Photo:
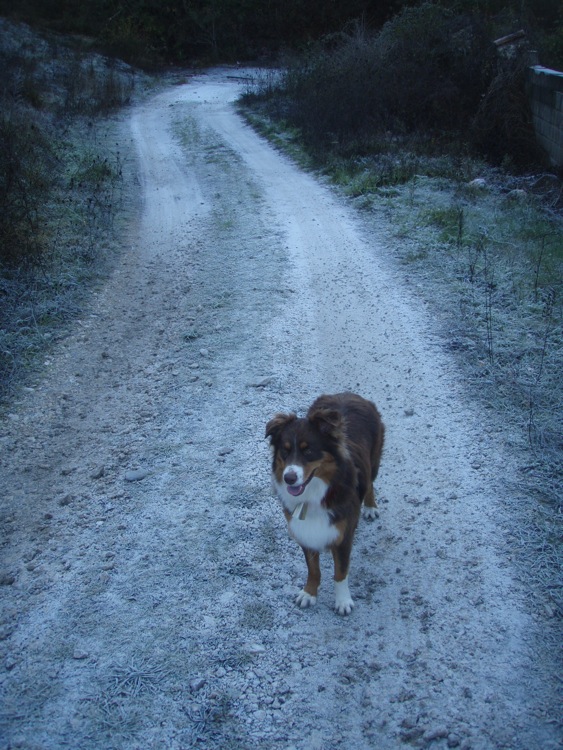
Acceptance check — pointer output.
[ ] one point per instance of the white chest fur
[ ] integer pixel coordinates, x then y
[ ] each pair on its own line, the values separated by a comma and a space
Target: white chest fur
315, 531
310, 524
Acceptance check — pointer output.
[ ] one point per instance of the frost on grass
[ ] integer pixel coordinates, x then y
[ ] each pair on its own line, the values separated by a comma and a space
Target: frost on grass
490, 268
135, 678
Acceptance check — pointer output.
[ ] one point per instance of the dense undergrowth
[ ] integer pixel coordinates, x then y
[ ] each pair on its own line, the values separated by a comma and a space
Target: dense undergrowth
428, 71
152, 33
60, 187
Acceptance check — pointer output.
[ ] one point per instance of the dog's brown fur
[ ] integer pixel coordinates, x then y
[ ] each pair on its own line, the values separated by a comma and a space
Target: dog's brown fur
335, 453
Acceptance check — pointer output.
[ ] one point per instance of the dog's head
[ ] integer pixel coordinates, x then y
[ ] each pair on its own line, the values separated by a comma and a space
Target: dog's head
305, 450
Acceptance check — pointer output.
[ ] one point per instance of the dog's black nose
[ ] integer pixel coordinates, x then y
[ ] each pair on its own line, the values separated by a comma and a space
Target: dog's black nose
290, 477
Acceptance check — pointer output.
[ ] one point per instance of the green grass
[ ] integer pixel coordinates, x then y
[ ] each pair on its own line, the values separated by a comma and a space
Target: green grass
280, 134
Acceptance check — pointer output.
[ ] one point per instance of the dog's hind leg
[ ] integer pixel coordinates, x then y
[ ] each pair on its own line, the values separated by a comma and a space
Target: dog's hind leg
370, 510
308, 595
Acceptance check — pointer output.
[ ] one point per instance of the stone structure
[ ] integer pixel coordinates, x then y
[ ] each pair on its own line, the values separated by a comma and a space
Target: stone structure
546, 94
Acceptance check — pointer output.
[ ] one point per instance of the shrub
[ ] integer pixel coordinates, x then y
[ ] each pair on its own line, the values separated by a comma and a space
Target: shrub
502, 127
429, 71
60, 187
436, 65
426, 69
44, 82
93, 85
27, 168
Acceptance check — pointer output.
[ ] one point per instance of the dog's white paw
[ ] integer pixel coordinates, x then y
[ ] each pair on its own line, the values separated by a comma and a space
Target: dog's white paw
344, 607
305, 600
343, 603
370, 513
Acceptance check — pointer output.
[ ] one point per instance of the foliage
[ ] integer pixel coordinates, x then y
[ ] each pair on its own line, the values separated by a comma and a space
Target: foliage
27, 176
436, 65
502, 126
428, 71
148, 31
45, 87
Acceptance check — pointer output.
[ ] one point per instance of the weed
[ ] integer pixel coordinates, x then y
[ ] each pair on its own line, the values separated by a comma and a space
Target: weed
134, 678
450, 222
188, 130
207, 719
94, 86
257, 616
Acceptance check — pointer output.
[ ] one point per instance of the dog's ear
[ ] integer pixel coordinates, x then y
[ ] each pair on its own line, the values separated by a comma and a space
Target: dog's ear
328, 422
276, 425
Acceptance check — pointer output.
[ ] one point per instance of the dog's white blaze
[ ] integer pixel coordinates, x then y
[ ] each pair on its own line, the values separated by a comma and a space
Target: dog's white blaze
343, 602
298, 470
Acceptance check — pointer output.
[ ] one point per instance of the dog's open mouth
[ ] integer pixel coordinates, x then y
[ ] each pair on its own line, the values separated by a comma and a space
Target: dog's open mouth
298, 489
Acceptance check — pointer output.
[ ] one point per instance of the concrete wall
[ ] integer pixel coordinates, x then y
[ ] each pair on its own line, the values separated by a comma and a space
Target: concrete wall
546, 92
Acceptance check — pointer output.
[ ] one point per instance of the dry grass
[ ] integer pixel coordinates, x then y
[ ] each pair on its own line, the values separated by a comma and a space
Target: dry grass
60, 188
136, 677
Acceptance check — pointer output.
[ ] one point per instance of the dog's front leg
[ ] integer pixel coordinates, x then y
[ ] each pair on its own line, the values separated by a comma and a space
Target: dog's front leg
343, 602
308, 595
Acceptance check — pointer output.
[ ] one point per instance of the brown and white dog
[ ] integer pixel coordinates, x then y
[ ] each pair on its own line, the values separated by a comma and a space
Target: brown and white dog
323, 468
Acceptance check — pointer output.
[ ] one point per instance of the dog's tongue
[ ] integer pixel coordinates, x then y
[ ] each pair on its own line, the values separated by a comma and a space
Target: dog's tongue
296, 489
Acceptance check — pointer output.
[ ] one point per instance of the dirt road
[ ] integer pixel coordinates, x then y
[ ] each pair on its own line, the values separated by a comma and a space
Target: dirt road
148, 580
